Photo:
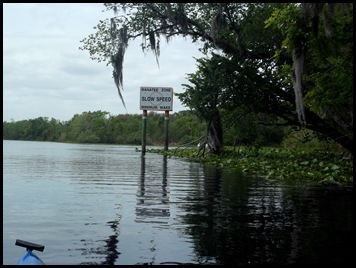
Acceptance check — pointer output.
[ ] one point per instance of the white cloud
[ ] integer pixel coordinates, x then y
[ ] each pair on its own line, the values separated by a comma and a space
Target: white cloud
45, 74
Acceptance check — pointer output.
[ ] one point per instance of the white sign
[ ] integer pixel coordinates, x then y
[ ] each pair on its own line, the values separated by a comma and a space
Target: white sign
156, 98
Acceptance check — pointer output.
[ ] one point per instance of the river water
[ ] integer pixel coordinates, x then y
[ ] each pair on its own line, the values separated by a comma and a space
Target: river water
106, 204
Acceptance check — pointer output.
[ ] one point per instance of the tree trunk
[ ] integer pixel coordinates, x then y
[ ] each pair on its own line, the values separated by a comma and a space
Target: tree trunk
214, 136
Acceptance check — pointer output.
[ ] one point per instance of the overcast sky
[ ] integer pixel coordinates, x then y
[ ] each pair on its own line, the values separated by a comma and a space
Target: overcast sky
46, 75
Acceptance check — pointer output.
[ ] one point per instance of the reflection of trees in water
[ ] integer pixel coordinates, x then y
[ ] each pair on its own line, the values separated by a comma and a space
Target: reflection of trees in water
152, 196
235, 219
322, 226
109, 249
224, 224
112, 243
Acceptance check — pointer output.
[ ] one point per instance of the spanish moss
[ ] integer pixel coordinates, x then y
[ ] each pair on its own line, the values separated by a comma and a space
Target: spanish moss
117, 61
298, 67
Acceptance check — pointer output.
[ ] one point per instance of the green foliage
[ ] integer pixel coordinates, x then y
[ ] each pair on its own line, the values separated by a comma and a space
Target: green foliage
284, 20
324, 33
312, 165
89, 127
101, 127
245, 128
332, 76
185, 127
39, 129
305, 139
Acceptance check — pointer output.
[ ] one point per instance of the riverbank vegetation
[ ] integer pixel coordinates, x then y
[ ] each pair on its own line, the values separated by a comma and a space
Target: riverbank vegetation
300, 155
317, 166
102, 127
275, 152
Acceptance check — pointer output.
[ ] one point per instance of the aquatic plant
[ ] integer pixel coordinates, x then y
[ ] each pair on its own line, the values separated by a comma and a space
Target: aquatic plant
316, 166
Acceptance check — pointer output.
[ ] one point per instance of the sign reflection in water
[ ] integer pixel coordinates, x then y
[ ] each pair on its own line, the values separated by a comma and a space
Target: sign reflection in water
152, 197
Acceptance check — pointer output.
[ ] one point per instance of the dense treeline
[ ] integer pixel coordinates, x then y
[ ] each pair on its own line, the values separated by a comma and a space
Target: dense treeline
102, 127
184, 129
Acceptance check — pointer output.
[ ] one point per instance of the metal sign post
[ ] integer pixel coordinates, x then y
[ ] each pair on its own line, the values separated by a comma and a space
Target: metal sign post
166, 120
144, 127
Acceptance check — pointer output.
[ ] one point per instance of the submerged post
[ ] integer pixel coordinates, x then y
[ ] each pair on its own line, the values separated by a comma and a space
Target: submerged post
144, 126
166, 120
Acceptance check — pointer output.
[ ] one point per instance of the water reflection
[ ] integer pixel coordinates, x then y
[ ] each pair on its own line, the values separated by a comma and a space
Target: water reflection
153, 196
111, 246
246, 220
109, 250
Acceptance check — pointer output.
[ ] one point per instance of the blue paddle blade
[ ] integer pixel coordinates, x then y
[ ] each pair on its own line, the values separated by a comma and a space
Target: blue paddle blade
29, 259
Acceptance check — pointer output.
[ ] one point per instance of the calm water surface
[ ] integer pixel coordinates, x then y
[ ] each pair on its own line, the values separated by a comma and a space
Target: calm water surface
106, 204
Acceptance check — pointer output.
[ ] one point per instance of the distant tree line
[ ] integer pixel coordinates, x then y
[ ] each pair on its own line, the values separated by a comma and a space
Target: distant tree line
102, 127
